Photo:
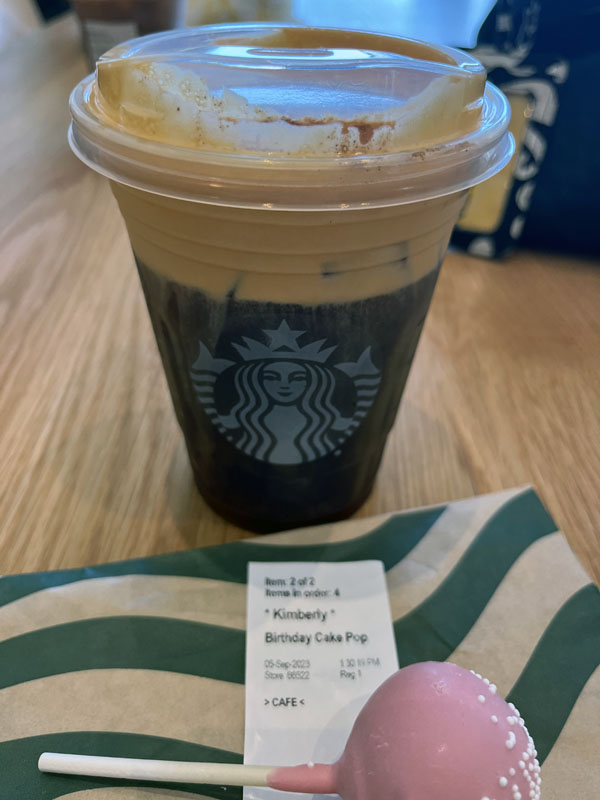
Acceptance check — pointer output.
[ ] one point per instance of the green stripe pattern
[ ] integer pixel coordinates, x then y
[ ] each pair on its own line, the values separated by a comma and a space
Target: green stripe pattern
556, 671
174, 645
559, 667
435, 628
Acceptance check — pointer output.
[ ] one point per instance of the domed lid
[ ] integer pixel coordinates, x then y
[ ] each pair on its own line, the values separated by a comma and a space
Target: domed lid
291, 116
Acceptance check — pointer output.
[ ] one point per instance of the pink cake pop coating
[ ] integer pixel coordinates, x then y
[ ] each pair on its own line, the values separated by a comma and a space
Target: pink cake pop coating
432, 731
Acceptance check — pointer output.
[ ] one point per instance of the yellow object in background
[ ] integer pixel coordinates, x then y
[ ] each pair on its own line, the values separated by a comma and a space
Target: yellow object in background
486, 203
207, 12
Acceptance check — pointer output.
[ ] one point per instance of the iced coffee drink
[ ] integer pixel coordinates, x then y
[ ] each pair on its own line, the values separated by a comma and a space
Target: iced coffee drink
289, 194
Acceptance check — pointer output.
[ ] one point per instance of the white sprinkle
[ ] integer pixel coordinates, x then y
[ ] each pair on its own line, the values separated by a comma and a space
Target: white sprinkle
472, 671
522, 722
485, 798
494, 718
517, 796
511, 741
493, 688
532, 793
512, 705
486, 681
478, 675
514, 787
511, 720
481, 698
521, 765
525, 756
511, 771
310, 764
503, 781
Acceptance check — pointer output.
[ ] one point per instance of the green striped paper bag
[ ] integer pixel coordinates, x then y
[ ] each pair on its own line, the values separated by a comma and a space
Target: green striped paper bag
145, 658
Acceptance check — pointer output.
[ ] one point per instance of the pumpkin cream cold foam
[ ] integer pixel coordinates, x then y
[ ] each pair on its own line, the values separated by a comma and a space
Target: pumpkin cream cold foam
289, 194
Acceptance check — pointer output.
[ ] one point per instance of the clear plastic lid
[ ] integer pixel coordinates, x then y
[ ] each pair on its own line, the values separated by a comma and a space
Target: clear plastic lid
290, 117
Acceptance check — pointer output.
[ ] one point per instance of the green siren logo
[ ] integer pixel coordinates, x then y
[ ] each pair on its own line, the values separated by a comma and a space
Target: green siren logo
283, 410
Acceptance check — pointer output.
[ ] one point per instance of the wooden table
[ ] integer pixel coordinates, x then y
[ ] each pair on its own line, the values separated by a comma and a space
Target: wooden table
505, 389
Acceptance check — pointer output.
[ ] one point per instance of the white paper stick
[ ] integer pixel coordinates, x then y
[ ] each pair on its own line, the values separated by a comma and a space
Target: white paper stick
152, 770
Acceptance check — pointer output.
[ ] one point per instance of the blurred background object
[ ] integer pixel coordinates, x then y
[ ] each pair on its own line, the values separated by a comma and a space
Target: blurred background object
545, 56
105, 23
209, 12
17, 17
564, 209
51, 8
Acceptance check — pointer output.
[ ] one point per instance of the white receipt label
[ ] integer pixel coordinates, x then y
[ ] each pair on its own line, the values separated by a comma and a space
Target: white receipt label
319, 642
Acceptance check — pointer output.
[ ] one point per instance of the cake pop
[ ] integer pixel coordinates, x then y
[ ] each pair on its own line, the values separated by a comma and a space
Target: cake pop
432, 731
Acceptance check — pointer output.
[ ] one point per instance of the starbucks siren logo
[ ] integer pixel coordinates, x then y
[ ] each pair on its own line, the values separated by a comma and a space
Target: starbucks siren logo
283, 410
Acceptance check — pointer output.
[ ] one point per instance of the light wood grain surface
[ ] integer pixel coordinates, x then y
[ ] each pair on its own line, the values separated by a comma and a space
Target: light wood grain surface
505, 389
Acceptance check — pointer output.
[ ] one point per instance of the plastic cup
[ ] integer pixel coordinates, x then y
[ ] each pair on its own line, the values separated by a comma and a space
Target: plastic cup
289, 195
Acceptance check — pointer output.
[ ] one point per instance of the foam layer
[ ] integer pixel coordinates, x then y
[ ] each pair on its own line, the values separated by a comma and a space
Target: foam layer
303, 257
338, 99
